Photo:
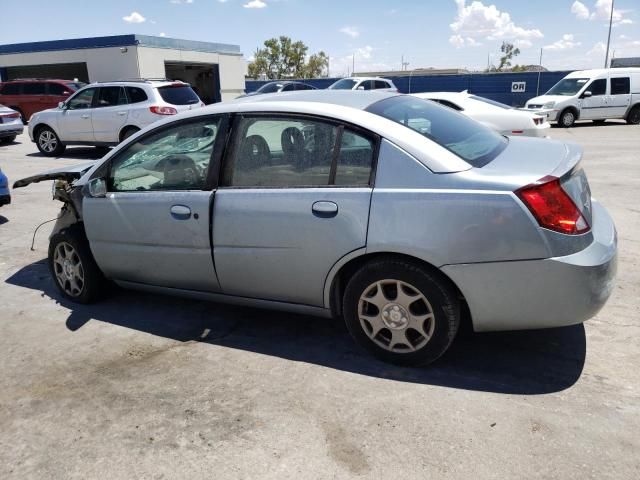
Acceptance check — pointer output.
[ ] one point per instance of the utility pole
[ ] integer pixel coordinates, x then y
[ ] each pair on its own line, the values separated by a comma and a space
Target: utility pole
539, 72
606, 58
353, 64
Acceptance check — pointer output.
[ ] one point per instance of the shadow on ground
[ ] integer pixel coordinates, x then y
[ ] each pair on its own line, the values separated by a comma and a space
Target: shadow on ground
3, 220
533, 362
79, 153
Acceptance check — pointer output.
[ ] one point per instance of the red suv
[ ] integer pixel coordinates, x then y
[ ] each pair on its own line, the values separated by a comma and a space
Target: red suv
33, 95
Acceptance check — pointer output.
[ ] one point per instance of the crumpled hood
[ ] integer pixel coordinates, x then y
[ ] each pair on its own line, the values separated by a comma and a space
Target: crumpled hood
64, 173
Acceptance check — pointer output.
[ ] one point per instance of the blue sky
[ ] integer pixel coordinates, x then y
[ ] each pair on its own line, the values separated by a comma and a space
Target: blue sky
442, 33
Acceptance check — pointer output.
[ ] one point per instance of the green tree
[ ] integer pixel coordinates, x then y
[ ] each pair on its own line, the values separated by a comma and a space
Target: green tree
283, 58
508, 52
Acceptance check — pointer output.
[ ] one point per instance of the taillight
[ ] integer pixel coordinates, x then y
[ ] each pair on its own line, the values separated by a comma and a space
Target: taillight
552, 207
163, 110
10, 115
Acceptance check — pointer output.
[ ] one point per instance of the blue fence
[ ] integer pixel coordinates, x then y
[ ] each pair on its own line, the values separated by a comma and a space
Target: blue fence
496, 86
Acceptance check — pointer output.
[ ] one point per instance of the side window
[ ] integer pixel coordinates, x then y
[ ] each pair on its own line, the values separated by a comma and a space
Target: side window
381, 84
620, 86
303, 86
11, 89
33, 88
598, 87
367, 84
280, 152
175, 158
136, 95
56, 89
289, 88
355, 159
111, 97
82, 99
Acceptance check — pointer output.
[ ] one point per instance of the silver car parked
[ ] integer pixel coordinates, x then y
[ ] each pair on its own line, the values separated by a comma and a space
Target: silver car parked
391, 211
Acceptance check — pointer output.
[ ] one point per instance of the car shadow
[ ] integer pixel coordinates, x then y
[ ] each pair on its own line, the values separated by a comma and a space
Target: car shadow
590, 124
79, 153
528, 363
3, 220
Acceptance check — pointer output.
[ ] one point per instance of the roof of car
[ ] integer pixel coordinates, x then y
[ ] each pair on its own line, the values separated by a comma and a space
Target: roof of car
346, 98
20, 80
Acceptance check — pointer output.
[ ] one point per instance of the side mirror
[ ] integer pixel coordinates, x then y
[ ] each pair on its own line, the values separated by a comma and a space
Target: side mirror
587, 94
61, 105
97, 188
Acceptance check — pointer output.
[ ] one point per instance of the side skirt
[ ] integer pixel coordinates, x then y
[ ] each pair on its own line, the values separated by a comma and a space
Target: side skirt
230, 299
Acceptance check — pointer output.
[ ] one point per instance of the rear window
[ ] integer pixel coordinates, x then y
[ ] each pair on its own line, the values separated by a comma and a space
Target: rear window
270, 87
33, 88
11, 89
179, 95
491, 102
474, 143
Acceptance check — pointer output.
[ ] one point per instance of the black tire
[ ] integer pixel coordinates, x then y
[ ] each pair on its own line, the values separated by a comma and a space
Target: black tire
127, 132
441, 299
10, 139
567, 118
48, 142
599, 121
633, 118
93, 284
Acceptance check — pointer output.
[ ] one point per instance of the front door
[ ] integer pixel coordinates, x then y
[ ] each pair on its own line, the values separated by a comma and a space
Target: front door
294, 199
74, 123
595, 106
109, 114
152, 227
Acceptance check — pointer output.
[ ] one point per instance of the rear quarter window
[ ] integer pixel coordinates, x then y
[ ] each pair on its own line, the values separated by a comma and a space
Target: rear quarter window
10, 89
136, 95
179, 95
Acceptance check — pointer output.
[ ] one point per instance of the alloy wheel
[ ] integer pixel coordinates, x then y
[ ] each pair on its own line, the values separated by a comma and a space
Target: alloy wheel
68, 269
396, 316
48, 141
568, 118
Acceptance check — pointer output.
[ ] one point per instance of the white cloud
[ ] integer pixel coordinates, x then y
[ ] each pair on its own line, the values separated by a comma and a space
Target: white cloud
479, 21
162, 34
580, 10
598, 49
601, 11
181, 2
255, 4
135, 17
353, 32
565, 43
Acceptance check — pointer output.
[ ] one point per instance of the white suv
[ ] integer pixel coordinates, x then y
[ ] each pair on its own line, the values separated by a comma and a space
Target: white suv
364, 83
104, 114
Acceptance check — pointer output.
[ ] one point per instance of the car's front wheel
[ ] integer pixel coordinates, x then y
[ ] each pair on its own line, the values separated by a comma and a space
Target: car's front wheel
73, 267
48, 142
400, 312
567, 118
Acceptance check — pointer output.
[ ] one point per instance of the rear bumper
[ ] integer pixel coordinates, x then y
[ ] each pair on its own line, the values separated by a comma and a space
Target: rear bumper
546, 293
9, 130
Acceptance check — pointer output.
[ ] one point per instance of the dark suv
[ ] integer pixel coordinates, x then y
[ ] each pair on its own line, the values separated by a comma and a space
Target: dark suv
29, 96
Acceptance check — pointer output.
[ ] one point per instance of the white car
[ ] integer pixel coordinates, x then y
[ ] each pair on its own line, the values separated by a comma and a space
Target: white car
364, 83
10, 124
104, 114
498, 116
592, 95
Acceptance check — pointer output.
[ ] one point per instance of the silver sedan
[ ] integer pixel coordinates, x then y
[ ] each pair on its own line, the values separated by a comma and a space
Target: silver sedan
394, 212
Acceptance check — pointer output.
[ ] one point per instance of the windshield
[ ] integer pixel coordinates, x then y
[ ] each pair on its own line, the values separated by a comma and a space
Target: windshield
474, 143
270, 88
491, 102
568, 86
178, 95
344, 84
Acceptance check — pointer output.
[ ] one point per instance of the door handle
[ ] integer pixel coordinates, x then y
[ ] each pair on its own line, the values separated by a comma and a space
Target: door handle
84, 116
122, 114
324, 209
180, 212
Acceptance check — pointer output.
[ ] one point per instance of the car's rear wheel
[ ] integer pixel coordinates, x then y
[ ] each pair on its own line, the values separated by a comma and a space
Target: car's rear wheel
48, 142
10, 139
567, 118
401, 313
127, 132
73, 267
634, 116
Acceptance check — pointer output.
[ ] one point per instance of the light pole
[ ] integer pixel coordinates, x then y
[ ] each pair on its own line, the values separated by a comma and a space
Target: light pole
606, 58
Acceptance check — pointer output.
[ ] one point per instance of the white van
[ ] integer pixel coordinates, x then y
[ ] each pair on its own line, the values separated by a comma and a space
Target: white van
592, 95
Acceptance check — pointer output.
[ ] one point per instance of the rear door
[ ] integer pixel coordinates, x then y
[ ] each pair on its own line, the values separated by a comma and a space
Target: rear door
74, 123
152, 227
110, 114
33, 98
620, 98
293, 200
595, 106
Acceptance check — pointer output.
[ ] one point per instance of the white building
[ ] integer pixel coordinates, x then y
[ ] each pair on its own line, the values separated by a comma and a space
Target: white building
215, 70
